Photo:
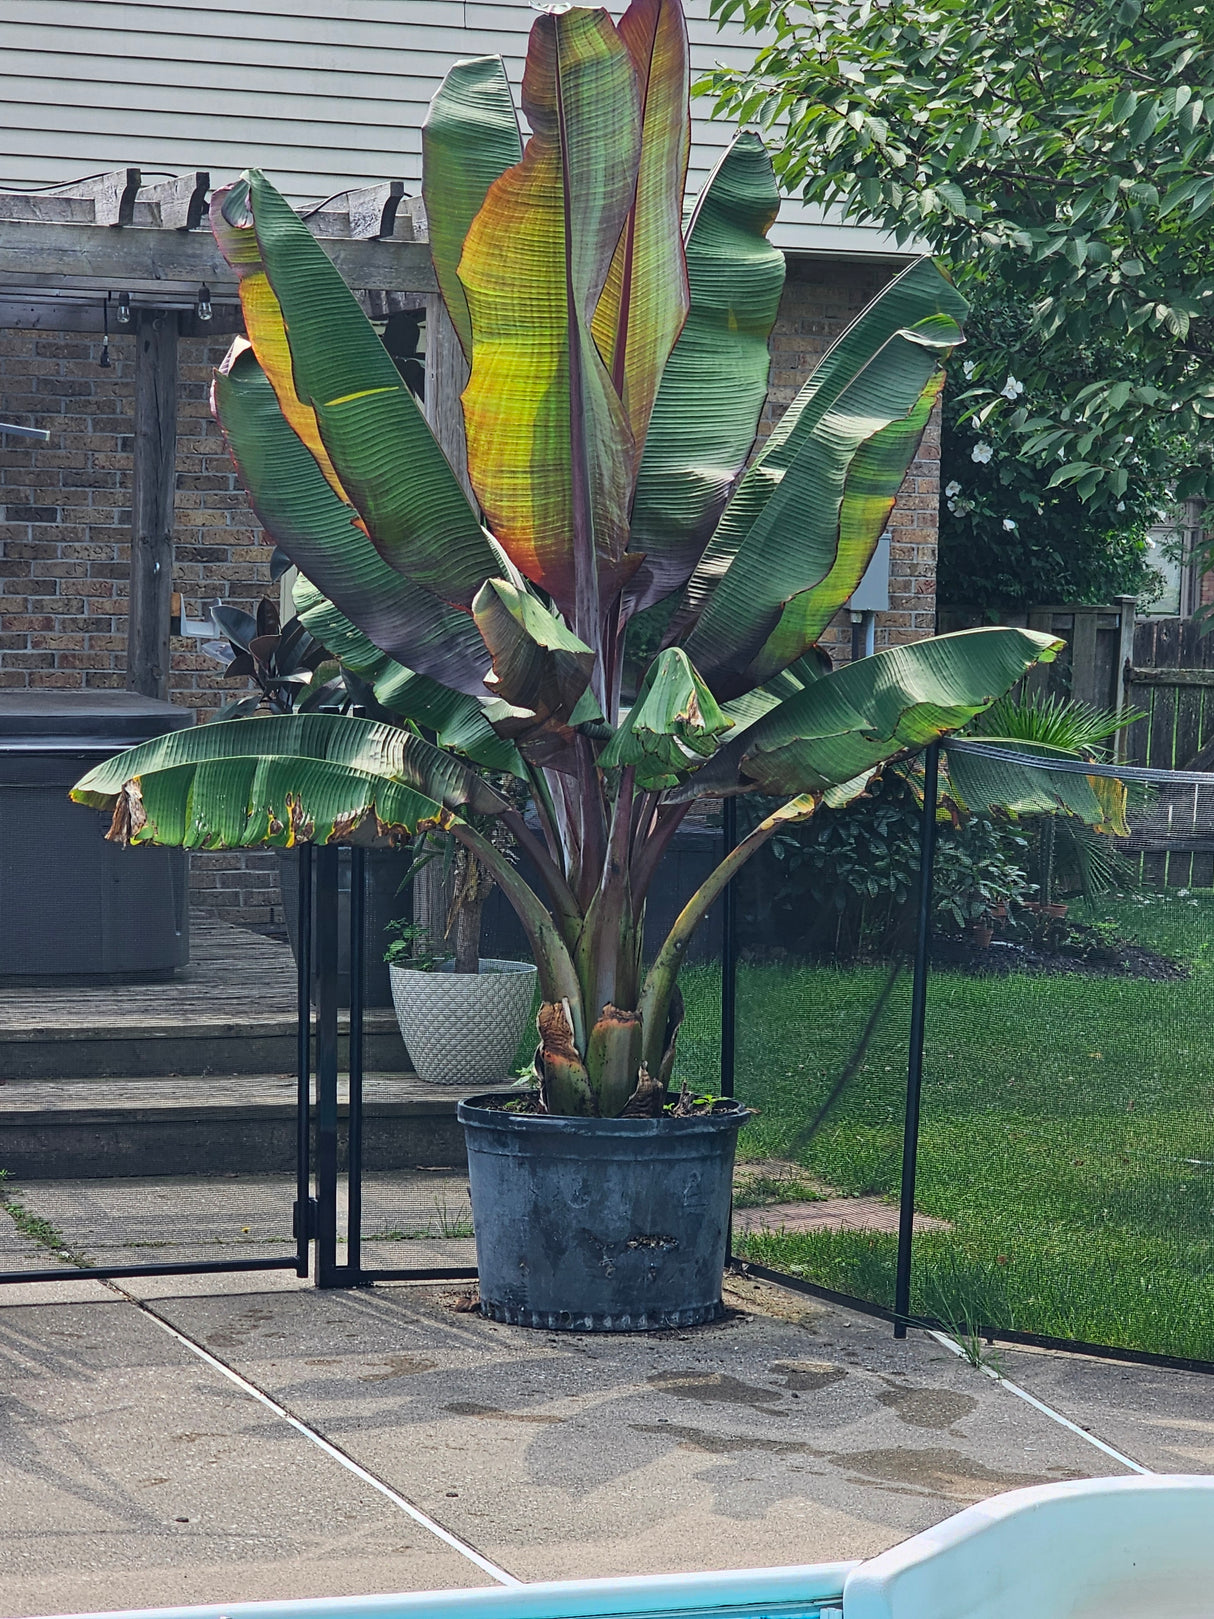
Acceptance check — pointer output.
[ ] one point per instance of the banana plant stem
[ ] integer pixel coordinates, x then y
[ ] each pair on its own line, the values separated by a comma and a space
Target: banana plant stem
558, 976
660, 981
569, 916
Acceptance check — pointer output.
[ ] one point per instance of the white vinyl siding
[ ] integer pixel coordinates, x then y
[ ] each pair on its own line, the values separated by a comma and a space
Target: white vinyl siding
324, 95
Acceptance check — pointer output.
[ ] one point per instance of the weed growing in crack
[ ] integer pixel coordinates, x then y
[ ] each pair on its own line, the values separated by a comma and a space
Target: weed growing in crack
38, 1229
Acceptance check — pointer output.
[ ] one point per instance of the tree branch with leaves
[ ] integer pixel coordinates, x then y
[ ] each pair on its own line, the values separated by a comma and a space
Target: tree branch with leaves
1062, 152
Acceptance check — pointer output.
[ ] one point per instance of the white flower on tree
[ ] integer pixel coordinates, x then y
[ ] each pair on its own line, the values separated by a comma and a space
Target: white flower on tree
981, 452
1012, 388
951, 489
1009, 525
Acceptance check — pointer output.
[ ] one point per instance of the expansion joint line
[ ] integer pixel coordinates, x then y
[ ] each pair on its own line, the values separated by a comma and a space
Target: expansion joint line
1040, 1405
335, 1452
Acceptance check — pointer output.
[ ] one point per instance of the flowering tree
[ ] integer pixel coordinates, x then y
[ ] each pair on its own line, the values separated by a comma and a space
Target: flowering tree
1062, 150
1007, 537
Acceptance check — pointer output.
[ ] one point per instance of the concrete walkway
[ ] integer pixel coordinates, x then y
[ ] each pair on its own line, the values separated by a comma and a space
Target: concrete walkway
134, 1471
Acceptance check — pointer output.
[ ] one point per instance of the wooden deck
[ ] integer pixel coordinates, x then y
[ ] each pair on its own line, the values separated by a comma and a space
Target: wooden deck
234, 974
232, 1010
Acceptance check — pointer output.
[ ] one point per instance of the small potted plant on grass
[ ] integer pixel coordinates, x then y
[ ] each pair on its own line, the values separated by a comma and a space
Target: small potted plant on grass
618, 368
461, 1014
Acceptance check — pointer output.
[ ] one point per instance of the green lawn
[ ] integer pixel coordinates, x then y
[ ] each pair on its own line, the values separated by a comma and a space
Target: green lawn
1067, 1133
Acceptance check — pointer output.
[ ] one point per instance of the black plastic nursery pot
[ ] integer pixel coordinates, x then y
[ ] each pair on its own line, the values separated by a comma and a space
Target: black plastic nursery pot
600, 1225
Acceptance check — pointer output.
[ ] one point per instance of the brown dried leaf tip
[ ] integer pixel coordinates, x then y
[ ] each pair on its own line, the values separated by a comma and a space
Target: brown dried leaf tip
129, 817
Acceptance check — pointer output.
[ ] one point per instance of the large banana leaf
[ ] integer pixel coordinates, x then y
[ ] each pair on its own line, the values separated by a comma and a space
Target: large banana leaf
715, 382
317, 531
549, 450
386, 457
872, 485
644, 302
871, 711
469, 137
782, 532
996, 773
458, 721
232, 227
283, 779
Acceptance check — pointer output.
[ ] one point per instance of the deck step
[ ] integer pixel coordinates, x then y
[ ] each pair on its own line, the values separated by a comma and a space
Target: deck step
157, 1049
211, 1124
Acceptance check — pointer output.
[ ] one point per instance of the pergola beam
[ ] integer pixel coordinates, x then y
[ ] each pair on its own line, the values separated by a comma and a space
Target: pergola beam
113, 196
63, 254
94, 260
179, 203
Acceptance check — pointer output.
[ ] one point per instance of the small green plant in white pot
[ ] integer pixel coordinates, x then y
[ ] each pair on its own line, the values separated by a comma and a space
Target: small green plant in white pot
461, 1014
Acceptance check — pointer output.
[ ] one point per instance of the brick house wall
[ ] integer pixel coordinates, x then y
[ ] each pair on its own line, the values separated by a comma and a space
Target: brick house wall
64, 539
65, 546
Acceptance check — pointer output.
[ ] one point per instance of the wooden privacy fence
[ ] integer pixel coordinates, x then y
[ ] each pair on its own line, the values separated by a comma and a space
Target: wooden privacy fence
1170, 678
1099, 641
1163, 667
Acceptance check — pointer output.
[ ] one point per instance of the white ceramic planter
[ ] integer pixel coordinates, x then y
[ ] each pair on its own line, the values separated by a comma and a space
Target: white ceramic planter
464, 1028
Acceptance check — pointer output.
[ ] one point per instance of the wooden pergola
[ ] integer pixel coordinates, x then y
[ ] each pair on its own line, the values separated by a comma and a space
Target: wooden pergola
79, 257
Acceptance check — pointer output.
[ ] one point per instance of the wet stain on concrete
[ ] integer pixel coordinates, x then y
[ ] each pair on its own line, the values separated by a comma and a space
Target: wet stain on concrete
399, 1366
807, 1376
928, 1408
949, 1473
468, 1408
243, 1327
714, 1388
719, 1444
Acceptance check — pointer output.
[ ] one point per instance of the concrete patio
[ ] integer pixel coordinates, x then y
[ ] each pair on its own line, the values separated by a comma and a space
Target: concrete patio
138, 1472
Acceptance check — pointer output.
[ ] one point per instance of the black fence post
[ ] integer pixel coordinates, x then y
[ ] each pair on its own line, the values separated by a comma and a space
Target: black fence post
729, 952
914, 1065
304, 1206
326, 1064
354, 1140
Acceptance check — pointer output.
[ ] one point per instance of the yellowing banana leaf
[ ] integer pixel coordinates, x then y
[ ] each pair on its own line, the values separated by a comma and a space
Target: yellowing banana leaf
673, 725
317, 531
246, 803
458, 720
996, 773
781, 532
469, 137
283, 779
387, 460
872, 711
549, 450
644, 303
715, 382
232, 227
